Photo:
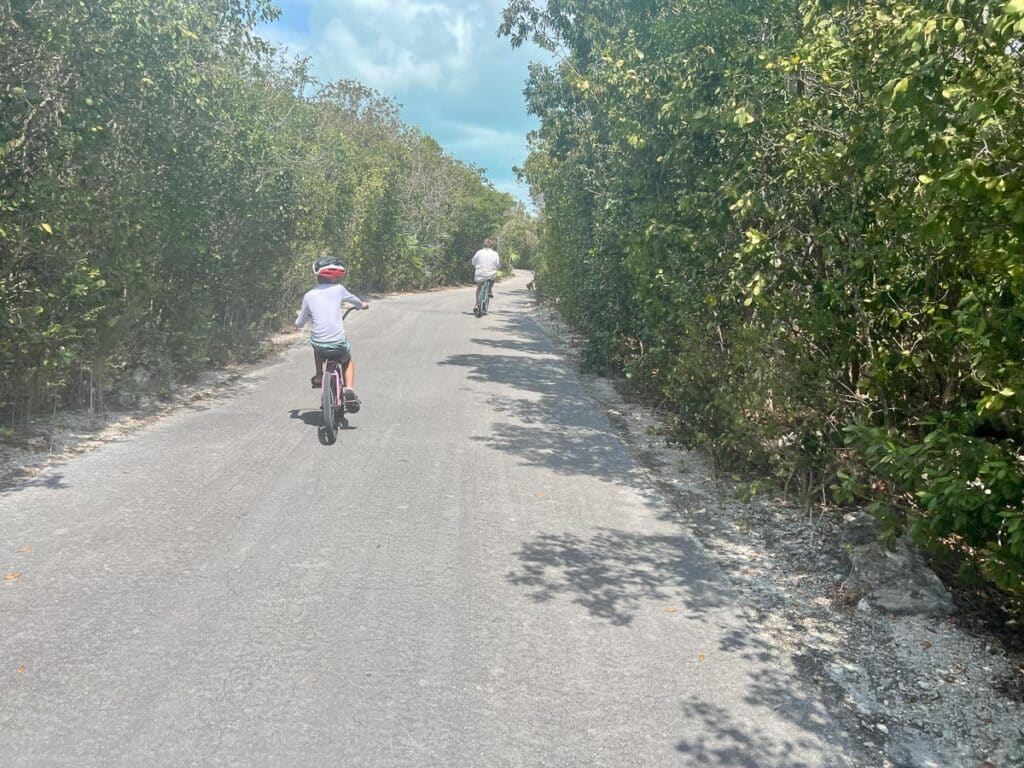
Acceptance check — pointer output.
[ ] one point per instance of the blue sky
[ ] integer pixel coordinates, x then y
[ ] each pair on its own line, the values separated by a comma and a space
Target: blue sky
440, 59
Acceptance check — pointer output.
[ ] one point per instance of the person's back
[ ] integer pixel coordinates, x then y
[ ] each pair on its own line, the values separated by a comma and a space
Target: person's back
322, 305
486, 263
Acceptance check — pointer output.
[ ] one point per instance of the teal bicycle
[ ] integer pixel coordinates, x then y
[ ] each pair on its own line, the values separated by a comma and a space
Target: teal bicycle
485, 298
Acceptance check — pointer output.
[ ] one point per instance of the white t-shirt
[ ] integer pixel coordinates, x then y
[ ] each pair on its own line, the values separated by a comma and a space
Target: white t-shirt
322, 305
486, 262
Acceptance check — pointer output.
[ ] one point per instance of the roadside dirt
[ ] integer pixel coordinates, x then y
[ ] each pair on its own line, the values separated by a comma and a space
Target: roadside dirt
50, 440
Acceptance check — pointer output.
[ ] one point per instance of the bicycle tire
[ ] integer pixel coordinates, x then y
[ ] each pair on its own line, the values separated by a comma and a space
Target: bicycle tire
327, 406
485, 296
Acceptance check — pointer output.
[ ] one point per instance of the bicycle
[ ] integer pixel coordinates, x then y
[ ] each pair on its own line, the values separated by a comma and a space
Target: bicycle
485, 298
333, 403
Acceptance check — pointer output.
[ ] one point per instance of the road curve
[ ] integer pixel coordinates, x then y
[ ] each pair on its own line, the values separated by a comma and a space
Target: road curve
475, 574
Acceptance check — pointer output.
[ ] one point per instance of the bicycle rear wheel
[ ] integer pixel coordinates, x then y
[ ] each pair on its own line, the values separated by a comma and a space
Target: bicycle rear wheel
485, 298
327, 404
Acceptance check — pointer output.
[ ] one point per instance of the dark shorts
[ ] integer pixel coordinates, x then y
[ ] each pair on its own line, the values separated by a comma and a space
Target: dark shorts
338, 350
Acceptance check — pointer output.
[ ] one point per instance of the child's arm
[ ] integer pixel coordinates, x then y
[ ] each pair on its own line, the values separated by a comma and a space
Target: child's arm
303, 314
350, 297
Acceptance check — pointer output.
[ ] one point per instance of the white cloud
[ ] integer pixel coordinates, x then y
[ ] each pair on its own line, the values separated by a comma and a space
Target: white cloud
440, 59
382, 66
401, 9
288, 44
390, 45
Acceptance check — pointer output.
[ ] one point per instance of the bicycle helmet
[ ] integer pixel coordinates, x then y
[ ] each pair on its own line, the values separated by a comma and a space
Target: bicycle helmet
329, 268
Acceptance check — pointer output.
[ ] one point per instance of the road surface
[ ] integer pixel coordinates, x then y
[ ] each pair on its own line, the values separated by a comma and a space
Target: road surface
475, 574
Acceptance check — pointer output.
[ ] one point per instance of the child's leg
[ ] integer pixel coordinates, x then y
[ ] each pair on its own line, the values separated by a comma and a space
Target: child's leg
349, 373
318, 363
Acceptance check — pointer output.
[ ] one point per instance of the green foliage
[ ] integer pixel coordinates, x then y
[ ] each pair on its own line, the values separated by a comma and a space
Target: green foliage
517, 239
167, 179
800, 226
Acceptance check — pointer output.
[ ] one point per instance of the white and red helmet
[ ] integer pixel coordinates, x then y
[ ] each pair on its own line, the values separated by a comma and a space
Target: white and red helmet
329, 268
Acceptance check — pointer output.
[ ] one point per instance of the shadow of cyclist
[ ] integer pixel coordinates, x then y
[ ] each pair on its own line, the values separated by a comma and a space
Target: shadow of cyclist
315, 419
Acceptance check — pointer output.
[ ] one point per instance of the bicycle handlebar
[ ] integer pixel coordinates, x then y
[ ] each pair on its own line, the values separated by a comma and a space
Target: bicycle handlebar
352, 309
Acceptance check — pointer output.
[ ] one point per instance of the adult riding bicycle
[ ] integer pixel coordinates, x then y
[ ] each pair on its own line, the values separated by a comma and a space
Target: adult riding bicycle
486, 264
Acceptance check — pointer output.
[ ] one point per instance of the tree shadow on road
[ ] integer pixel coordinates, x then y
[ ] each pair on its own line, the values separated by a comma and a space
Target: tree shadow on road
52, 480
617, 576
516, 345
719, 739
614, 574
551, 421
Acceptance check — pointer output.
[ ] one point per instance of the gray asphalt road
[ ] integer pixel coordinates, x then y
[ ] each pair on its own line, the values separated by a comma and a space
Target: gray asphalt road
474, 575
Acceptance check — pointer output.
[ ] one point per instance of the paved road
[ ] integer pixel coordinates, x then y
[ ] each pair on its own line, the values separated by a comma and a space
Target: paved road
474, 575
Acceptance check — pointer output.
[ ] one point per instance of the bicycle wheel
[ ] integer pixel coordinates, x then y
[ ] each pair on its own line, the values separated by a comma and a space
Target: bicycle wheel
485, 298
327, 406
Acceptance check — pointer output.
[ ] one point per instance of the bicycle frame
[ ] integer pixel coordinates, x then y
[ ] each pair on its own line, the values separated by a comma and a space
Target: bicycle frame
336, 371
333, 383
485, 297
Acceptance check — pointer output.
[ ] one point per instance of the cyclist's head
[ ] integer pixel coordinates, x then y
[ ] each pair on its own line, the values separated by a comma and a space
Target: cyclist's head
328, 269
488, 243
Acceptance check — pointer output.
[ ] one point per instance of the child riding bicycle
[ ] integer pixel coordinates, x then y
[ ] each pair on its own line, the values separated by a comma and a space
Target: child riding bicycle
322, 305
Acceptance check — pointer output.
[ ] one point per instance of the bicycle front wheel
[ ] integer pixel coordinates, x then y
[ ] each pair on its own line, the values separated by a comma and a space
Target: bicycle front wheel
327, 404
